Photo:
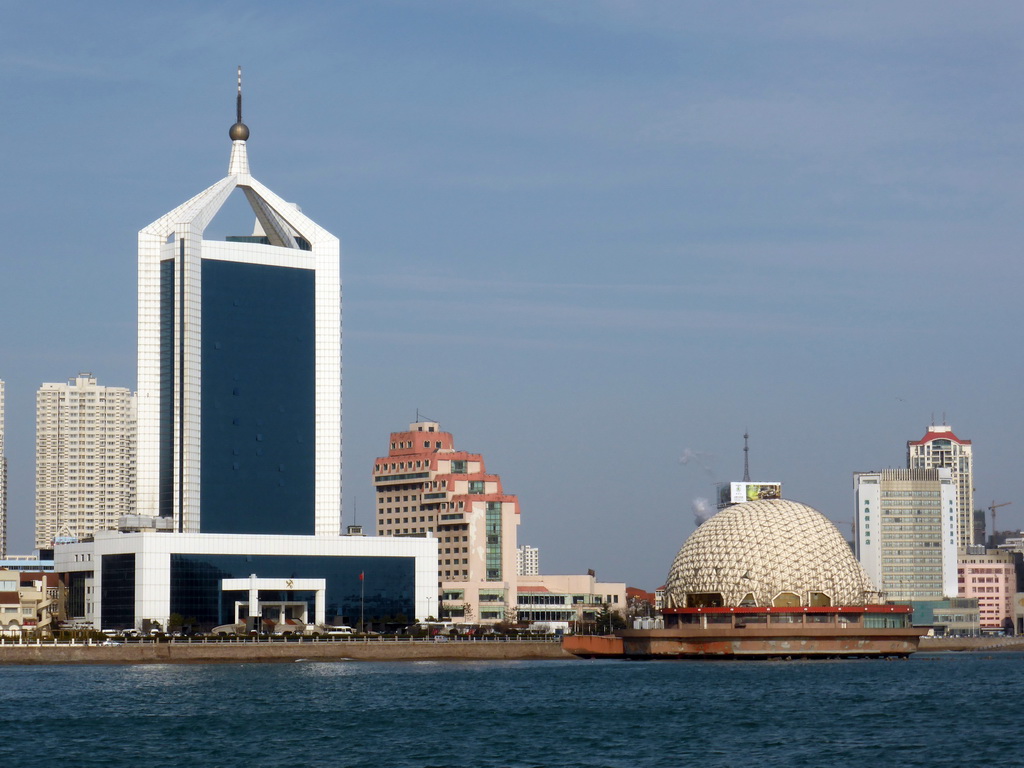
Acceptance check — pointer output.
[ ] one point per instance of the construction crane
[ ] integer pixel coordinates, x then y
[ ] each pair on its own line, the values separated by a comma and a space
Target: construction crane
993, 509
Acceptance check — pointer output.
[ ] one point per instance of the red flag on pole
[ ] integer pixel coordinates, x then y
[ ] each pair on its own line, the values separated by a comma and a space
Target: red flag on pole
361, 575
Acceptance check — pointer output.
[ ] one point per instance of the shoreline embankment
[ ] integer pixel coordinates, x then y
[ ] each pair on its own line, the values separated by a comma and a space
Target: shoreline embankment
269, 652
249, 651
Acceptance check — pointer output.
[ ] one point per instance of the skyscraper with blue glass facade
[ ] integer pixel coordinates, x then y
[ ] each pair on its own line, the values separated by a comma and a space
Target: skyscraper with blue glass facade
240, 367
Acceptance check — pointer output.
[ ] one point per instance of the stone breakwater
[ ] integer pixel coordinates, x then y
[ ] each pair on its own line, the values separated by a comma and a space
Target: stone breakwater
245, 651
976, 644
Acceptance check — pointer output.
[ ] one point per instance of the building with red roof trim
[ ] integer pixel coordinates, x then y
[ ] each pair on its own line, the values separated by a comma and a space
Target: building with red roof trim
427, 488
938, 433
941, 448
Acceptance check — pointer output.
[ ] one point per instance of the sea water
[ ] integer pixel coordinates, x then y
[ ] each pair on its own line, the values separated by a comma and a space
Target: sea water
932, 710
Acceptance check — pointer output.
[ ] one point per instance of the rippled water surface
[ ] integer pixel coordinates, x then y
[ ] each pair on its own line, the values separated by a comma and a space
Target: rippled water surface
933, 710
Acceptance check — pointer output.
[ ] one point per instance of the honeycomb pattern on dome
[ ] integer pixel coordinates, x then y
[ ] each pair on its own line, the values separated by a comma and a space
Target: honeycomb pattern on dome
762, 548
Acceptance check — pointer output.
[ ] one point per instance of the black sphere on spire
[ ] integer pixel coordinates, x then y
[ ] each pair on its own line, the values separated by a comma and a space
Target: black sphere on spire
239, 132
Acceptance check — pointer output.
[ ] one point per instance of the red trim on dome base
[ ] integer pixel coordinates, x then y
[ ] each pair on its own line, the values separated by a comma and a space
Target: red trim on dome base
817, 609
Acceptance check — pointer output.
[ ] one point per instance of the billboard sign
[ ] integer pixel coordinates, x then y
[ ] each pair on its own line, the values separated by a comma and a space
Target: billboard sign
740, 492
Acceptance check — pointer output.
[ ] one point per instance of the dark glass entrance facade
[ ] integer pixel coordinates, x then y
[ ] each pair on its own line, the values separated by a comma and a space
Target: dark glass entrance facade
388, 585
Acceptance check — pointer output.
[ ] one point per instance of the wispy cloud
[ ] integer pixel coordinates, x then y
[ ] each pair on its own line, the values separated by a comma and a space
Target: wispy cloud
540, 317
14, 63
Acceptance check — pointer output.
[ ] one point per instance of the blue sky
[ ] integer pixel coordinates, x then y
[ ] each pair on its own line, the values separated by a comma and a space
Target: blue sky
589, 238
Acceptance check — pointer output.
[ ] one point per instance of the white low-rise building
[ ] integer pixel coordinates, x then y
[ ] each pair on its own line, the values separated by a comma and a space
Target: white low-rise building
562, 601
124, 580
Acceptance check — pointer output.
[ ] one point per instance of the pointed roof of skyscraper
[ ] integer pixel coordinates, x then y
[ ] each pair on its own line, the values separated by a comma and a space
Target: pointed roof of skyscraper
281, 221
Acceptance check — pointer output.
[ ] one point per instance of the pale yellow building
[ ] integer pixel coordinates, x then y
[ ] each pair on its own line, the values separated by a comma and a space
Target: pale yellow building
28, 601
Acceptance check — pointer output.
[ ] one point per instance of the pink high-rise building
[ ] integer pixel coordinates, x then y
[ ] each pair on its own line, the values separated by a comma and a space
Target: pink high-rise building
426, 488
992, 578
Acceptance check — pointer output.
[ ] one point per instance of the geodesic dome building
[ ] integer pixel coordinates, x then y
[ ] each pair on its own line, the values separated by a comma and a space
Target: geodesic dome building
771, 552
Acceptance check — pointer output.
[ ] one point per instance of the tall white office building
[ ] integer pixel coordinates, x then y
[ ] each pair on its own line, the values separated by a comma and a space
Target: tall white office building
85, 458
907, 532
3, 480
240, 366
941, 449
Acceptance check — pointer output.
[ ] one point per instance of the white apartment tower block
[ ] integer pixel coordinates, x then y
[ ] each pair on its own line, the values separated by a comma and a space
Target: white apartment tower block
85, 458
3, 480
941, 449
907, 532
528, 560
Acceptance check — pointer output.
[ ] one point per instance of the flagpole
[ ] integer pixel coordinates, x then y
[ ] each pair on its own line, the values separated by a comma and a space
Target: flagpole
362, 592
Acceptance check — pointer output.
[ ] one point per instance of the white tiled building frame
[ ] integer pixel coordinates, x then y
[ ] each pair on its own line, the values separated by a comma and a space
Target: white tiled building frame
180, 233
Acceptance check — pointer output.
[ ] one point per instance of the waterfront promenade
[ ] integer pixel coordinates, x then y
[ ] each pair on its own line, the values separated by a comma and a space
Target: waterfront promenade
276, 650
176, 651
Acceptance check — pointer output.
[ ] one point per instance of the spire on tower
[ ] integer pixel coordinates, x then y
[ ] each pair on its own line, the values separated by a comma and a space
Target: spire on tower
746, 458
239, 131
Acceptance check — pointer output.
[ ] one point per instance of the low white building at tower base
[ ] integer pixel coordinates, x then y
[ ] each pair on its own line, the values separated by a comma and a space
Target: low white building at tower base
124, 580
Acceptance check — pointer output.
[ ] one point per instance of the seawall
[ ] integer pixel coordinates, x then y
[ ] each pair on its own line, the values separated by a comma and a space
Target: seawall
354, 650
247, 651
976, 644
